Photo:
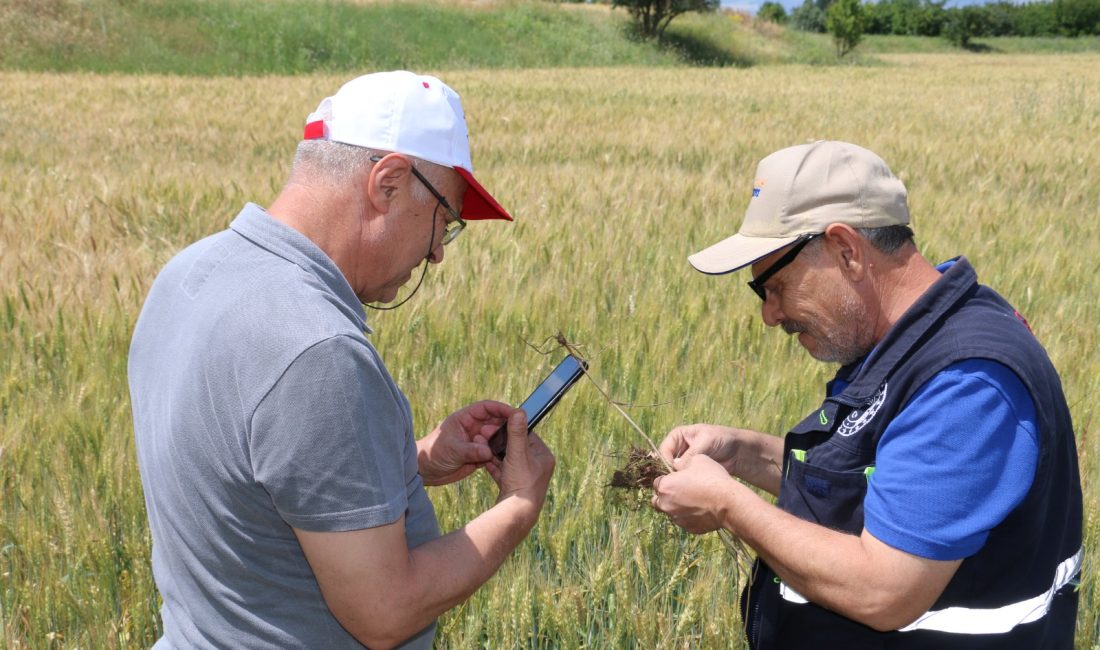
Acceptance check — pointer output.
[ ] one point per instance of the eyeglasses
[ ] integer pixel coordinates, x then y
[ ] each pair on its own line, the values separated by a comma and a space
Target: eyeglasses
452, 228
757, 283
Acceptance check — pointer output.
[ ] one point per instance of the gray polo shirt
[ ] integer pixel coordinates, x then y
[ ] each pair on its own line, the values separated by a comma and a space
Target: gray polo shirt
259, 405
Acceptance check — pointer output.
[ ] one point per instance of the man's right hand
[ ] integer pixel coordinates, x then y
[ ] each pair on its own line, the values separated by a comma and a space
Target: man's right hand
749, 455
717, 442
525, 472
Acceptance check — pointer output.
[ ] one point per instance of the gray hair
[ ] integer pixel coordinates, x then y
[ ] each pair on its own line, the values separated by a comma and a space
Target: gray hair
337, 162
886, 239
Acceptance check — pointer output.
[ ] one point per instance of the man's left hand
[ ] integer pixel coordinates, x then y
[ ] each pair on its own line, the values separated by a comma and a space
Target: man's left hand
459, 445
695, 495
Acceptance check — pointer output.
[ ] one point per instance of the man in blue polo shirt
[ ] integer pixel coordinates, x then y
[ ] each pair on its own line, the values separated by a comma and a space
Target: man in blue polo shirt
933, 499
283, 481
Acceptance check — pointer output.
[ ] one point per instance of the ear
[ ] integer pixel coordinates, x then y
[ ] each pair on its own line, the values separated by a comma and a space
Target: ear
386, 181
848, 250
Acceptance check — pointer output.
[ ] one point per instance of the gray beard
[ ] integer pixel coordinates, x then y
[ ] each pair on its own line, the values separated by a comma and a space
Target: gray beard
844, 345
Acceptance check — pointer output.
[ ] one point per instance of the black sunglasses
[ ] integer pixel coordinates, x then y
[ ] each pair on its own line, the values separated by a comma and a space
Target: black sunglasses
757, 283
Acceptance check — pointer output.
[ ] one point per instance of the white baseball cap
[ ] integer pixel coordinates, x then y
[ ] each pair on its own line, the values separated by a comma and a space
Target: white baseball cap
801, 190
416, 115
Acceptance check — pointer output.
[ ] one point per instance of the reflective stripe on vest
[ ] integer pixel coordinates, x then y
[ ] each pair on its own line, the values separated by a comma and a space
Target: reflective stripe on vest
964, 620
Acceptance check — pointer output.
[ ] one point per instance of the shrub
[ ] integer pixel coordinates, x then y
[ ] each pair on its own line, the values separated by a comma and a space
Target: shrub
1032, 19
846, 21
809, 17
910, 17
772, 12
1077, 17
963, 24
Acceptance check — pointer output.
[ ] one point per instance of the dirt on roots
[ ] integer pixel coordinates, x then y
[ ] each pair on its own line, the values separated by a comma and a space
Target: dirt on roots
640, 470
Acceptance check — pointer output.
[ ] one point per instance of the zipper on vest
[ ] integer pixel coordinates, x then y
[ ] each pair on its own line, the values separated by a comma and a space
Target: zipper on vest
755, 640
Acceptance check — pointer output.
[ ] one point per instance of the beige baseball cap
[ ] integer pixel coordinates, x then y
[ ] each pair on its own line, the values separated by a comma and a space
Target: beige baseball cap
803, 189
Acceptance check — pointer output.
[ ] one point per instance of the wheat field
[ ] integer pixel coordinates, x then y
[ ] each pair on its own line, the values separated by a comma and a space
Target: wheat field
614, 175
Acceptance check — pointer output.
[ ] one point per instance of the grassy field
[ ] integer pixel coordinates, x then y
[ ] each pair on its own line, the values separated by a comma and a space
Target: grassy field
614, 175
246, 37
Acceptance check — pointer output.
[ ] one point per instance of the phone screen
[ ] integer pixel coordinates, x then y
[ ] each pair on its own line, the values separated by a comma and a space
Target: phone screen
542, 399
551, 389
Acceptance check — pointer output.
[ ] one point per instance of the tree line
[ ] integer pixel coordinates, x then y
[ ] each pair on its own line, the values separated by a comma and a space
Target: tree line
1069, 18
849, 20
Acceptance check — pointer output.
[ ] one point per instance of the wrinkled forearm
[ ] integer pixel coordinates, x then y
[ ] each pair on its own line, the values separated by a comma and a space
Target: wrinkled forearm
759, 460
443, 573
856, 576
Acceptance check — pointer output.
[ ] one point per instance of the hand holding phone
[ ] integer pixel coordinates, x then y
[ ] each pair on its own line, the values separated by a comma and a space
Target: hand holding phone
542, 399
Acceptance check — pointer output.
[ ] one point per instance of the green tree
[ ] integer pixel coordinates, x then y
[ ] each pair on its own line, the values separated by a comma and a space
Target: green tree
652, 17
1077, 17
902, 13
846, 21
772, 12
810, 16
928, 18
999, 19
964, 23
912, 17
1032, 19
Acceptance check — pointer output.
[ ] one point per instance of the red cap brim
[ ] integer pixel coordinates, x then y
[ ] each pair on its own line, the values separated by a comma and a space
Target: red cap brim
478, 203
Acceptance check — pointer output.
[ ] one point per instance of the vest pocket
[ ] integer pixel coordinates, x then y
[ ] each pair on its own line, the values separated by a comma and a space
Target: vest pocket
825, 496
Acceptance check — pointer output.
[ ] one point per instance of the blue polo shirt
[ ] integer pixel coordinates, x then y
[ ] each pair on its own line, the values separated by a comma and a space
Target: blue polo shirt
955, 461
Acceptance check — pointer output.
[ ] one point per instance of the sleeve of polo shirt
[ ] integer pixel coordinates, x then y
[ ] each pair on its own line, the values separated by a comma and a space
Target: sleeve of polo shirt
328, 441
954, 463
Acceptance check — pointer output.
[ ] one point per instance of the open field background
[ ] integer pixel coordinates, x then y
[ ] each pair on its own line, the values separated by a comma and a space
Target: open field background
614, 175
246, 37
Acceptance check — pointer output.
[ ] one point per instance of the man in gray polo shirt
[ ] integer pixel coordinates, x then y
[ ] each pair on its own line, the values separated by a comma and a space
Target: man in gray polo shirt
283, 481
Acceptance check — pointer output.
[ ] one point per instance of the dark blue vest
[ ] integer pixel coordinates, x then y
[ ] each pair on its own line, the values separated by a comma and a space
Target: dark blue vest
1019, 590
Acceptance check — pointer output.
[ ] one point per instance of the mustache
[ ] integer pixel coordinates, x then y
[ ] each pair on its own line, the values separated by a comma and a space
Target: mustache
793, 327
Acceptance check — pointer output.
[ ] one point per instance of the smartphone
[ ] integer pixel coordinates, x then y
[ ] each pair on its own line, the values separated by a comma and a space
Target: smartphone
539, 403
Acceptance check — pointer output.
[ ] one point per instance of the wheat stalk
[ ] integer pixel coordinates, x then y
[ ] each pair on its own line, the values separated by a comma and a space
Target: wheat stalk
736, 547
